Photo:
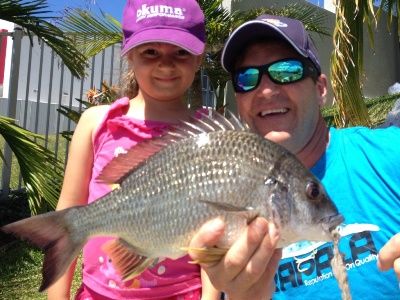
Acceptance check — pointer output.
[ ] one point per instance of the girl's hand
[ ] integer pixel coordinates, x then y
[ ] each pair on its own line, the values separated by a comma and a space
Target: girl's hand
389, 255
247, 270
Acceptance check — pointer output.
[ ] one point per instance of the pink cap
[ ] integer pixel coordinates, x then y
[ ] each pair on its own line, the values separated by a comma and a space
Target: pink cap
177, 22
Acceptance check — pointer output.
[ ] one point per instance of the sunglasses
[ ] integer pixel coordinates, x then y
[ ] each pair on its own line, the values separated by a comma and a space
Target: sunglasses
283, 71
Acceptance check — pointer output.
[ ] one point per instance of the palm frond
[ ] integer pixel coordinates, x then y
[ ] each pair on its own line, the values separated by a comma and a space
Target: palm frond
41, 171
28, 15
346, 62
90, 31
391, 7
378, 109
219, 23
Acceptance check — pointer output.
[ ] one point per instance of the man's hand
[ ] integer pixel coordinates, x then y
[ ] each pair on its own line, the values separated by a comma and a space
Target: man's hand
389, 255
248, 268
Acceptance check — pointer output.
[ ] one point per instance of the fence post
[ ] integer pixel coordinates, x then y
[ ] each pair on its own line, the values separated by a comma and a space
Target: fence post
12, 105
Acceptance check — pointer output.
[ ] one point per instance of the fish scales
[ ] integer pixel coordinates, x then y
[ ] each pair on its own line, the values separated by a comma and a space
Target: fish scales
164, 202
219, 169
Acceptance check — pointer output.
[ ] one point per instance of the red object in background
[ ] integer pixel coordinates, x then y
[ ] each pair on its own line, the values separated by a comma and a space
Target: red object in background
3, 47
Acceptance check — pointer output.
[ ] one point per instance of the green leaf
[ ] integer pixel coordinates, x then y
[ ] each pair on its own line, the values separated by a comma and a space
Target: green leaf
41, 171
91, 32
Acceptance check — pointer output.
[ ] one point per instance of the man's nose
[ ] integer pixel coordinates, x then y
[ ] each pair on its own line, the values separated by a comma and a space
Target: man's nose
267, 87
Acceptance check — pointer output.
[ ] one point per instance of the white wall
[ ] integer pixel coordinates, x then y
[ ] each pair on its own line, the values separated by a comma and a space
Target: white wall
328, 5
227, 4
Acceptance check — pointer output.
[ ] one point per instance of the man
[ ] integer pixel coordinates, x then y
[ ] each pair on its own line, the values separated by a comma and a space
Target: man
279, 91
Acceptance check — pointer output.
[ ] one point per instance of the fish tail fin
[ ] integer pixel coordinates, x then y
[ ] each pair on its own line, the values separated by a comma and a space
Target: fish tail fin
206, 255
51, 233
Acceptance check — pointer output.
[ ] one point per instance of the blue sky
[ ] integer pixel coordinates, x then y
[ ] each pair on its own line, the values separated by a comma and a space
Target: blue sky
112, 7
317, 2
115, 7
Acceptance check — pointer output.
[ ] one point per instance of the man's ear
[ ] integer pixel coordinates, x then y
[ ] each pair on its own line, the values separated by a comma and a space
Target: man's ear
321, 84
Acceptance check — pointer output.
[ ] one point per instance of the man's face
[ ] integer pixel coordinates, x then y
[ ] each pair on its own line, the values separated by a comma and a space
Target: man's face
285, 114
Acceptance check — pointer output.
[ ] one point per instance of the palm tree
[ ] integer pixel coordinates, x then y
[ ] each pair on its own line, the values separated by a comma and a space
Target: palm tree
40, 170
347, 58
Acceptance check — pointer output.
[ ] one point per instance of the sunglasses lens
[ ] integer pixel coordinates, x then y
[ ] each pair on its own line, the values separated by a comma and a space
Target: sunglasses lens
280, 72
247, 79
286, 71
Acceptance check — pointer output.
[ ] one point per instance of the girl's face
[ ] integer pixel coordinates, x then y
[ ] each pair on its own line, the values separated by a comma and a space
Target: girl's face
164, 72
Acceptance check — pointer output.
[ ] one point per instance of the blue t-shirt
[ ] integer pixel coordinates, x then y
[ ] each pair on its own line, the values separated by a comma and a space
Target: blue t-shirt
361, 172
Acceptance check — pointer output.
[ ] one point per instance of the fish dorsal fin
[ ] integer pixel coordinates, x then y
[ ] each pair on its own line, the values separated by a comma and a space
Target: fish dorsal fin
119, 167
220, 122
201, 122
125, 259
205, 121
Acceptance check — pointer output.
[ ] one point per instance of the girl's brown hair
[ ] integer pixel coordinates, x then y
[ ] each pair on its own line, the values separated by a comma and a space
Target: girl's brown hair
128, 84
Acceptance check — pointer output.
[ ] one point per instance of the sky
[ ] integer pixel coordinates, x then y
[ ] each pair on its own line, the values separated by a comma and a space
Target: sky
115, 7
112, 7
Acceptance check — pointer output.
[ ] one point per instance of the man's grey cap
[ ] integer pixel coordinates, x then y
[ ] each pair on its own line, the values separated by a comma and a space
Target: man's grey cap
265, 27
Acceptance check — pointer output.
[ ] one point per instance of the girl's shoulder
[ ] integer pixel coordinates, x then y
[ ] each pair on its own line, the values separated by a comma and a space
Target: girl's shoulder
96, 111
92, 117
95, 115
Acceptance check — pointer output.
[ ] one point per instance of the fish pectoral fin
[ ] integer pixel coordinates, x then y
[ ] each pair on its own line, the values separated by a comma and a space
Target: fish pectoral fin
247, 212
228, 206
206, 255
125, 259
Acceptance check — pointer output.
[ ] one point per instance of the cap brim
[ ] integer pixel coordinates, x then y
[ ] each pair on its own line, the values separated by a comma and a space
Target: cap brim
247, 32
176, 37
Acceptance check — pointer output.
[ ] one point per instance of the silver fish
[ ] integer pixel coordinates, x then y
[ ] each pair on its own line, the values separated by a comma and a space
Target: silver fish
169, 186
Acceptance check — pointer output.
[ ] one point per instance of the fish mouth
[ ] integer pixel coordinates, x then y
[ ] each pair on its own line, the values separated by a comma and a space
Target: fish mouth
329, 223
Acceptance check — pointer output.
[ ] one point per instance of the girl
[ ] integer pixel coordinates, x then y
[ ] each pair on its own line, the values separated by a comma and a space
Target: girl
163, 43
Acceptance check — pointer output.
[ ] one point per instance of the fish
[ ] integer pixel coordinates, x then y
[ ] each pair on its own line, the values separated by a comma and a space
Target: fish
211, 166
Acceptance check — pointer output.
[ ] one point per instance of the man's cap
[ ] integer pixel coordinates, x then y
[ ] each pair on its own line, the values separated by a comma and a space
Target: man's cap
177, 22
269, 27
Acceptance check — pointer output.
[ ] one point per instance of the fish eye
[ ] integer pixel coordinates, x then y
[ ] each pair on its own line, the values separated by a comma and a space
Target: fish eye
313, 190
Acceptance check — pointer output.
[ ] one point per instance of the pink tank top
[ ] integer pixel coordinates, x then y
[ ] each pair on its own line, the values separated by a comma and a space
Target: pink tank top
169, 279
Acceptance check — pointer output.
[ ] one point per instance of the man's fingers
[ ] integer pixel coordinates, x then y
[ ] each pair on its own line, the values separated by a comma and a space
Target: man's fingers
389, 253
271, 268
251, 257
208, 235
261, 257
238, 256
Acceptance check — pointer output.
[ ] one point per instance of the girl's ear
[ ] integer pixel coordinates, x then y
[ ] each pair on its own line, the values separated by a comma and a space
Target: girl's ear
129, 55
199, 61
